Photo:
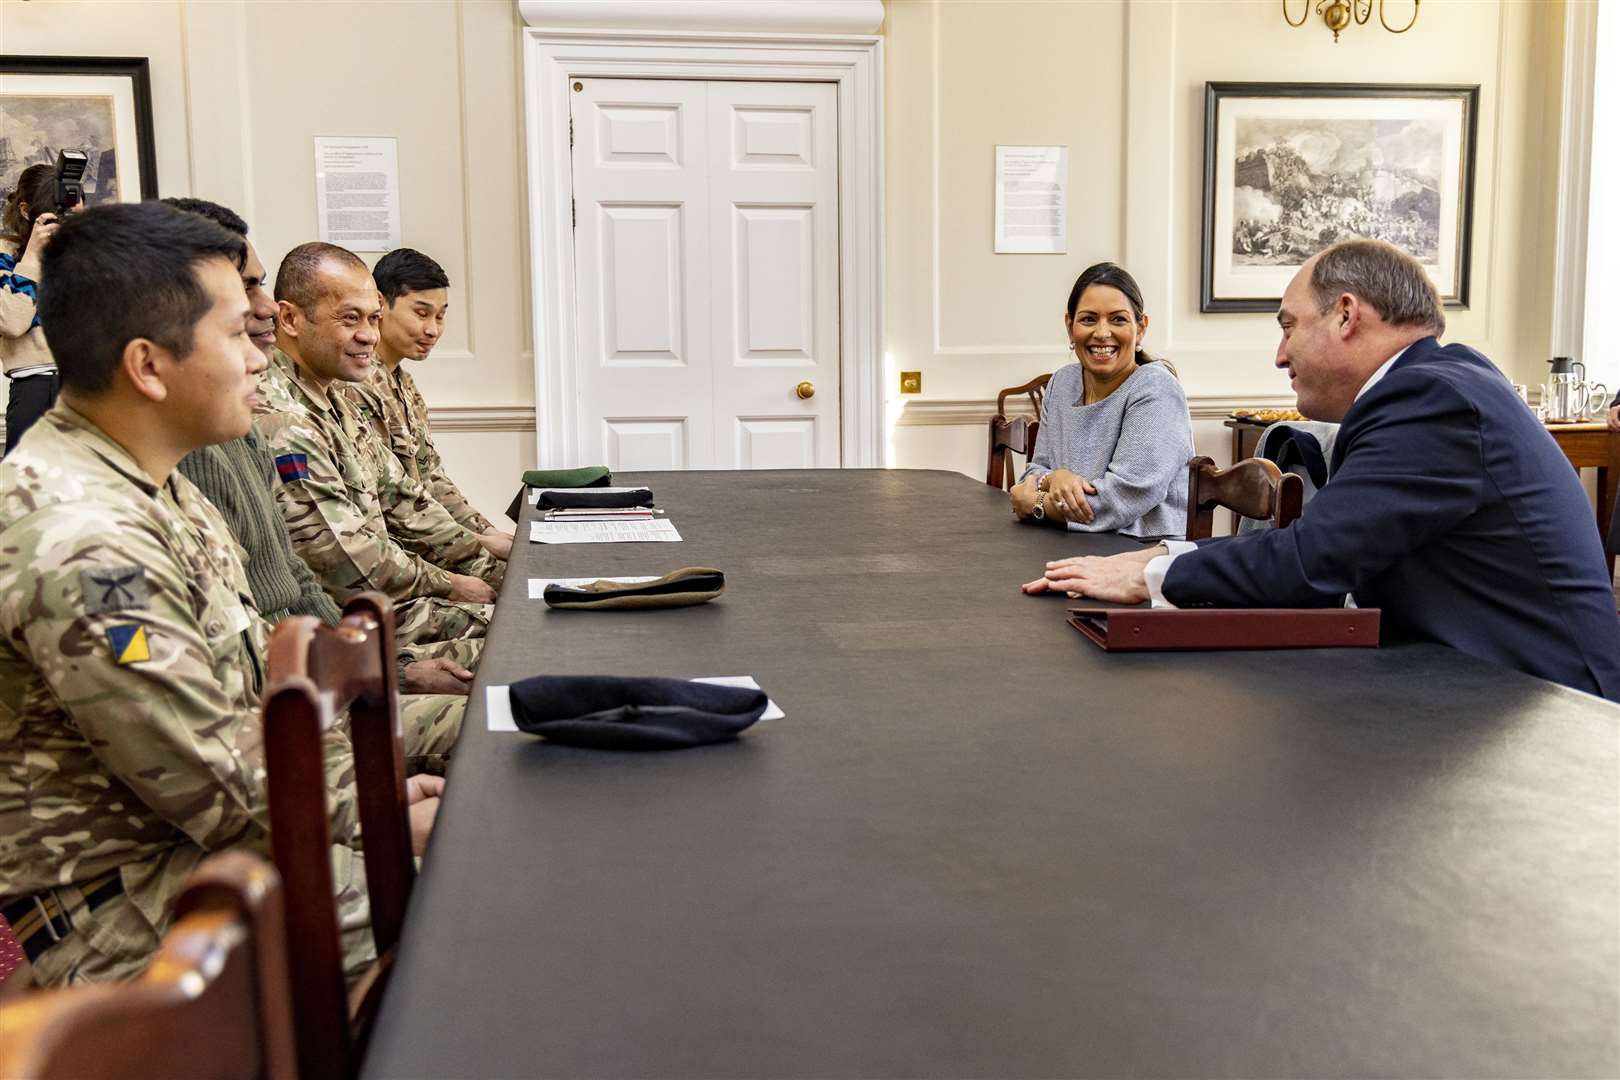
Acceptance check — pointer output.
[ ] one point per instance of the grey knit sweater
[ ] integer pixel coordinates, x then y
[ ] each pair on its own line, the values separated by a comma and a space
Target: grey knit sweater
1133, 446
236, 477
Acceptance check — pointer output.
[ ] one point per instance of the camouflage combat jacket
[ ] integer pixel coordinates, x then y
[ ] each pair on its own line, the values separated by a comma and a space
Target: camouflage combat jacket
351, 512
399, 416
130, 683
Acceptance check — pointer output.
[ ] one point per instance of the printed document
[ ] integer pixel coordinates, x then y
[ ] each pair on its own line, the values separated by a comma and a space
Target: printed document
656, 531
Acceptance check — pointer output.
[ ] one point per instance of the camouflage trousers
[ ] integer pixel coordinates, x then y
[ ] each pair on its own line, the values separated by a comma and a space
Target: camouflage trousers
429, 618
430, 723
116, 941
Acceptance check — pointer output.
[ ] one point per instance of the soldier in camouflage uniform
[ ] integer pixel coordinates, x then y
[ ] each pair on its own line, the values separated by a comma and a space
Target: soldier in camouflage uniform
130, 677
352, 513
237, 477
415, 292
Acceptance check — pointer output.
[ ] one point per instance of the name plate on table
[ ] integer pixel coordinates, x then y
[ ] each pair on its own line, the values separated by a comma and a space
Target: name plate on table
1184, 629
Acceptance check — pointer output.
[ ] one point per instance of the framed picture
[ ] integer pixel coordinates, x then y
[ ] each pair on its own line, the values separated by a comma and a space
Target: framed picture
1290, 168
99, 104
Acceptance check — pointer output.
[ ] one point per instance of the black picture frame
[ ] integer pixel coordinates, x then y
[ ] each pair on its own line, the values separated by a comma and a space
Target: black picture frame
137, 69
1227, 287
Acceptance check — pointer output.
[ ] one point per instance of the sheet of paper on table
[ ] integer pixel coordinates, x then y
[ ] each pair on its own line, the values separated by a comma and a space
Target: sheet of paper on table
498, 704
535, 493
657, 531
537, 585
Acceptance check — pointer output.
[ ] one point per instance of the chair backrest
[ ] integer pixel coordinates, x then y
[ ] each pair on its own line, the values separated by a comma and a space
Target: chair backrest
316, 671
1253, 487
1015, 435
215, 1001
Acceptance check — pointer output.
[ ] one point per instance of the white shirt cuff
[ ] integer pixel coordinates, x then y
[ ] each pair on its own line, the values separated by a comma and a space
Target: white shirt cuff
1159, 566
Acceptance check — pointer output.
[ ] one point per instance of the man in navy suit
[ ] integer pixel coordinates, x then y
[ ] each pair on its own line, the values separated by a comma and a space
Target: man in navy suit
1450, 507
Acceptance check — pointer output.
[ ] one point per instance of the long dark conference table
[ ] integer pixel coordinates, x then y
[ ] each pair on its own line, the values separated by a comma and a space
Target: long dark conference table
978, 846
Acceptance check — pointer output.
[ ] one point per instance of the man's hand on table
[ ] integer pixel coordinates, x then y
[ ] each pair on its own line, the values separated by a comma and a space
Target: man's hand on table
1614, 418
497, 543
471, 590
436, 676
423, 791
1118, 579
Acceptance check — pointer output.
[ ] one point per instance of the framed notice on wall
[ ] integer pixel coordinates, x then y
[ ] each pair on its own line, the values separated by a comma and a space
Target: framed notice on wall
1032, 196
357, 192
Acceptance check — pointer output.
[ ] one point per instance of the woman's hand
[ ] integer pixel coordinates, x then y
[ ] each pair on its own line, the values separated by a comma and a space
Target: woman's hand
45, 227
1066, 497
1022, 497
1614, 418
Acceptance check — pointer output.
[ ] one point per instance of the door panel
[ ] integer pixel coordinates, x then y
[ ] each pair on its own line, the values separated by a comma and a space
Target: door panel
639, 135
634, 443
706, 273
641, 265
778, 138
643, 316
776, 442
774, 271
773, 207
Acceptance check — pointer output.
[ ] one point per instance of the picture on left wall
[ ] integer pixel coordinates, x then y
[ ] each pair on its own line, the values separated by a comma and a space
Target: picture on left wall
101, 105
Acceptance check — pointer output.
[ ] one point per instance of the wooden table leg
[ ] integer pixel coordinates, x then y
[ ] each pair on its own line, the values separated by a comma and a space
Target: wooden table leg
1608, 480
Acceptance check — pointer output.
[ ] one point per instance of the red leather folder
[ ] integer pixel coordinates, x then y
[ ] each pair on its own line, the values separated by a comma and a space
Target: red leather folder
1148, 629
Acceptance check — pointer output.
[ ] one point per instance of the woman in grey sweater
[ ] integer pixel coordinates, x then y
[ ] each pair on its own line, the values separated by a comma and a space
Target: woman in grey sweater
1115, 433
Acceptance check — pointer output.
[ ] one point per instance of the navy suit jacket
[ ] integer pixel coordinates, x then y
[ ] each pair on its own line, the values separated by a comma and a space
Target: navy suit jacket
1452, 509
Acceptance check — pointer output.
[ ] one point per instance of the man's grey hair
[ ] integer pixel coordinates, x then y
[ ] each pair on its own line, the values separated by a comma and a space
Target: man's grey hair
1386, 278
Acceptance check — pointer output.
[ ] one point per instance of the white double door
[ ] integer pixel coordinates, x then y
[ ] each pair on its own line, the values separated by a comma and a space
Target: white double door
706, 273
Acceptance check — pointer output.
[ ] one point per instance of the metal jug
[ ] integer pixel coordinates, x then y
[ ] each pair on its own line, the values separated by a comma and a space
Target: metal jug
1567, 397
1562, 399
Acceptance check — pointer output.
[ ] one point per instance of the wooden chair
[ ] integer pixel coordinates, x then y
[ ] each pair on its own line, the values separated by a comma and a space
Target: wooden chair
214, 1003
1016, 435
316, 671
1254, 488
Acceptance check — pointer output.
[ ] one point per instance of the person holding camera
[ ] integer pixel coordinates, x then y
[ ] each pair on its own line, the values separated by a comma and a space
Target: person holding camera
26, 226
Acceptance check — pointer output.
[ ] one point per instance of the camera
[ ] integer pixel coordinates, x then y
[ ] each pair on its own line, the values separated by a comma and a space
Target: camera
70, 167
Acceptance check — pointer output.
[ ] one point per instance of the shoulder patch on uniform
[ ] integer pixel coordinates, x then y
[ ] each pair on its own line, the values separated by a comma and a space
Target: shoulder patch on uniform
114, 588
292, 467
128, 642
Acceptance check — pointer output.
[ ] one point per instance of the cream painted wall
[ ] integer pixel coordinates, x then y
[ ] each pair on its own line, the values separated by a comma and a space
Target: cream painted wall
1122, 85
241, 89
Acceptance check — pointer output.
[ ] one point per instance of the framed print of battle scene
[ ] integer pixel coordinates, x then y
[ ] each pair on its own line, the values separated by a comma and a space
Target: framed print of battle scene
1290, 168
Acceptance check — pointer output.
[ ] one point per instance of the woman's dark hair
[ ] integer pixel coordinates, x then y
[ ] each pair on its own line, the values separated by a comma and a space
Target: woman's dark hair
36, 187
1115, 277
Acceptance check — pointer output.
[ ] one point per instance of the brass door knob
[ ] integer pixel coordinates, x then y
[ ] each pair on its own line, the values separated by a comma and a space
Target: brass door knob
806, 390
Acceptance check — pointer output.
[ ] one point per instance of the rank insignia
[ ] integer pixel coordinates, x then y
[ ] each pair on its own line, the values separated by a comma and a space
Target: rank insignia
292, 467
128, 642
114, 588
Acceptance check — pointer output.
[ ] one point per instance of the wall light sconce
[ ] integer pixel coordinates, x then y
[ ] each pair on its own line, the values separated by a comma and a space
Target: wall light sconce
1339, 14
